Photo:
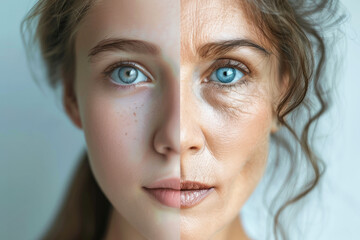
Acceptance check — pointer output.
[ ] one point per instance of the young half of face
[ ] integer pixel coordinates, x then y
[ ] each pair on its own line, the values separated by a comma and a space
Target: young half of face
228, 89
127, 103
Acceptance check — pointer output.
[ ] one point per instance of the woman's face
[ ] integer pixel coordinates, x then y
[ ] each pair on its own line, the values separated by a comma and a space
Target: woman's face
127, 90
227, 89
129, 94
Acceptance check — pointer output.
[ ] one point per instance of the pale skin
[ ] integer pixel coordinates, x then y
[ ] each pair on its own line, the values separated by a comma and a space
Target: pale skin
174, 123
132, 131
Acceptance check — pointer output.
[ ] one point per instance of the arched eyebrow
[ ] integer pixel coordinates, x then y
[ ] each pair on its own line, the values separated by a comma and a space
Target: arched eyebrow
214, 49
127, 45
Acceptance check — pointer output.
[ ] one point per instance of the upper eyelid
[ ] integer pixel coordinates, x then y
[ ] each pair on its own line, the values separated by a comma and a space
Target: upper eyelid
233, 63
217, 64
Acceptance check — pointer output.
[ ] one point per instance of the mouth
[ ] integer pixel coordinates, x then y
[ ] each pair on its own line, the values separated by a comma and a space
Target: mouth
166, 192
192, 193
175, 194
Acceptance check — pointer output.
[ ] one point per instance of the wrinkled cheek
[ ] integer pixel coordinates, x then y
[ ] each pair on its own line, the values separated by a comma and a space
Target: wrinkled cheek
238, 138
246, 120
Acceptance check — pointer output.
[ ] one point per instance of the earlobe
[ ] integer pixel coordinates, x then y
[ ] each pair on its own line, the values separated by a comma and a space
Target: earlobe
274, 126
70, 105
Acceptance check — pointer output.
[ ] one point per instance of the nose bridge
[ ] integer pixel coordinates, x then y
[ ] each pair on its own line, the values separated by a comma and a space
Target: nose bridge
190, 131
172, 113
166, 140
172, 108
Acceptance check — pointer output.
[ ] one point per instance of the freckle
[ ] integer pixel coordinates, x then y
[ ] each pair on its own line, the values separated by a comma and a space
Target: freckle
134, 114
126, 134
135, 121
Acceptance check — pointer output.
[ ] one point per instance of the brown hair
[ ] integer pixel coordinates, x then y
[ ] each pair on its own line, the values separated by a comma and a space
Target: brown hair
85, 210
297, 28
294, 26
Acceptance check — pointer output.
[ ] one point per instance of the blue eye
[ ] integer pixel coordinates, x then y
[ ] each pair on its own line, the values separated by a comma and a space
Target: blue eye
127, 75
226, 75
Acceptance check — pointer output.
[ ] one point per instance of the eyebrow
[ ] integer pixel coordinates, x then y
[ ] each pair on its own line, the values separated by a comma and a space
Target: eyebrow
222, 47
127, 45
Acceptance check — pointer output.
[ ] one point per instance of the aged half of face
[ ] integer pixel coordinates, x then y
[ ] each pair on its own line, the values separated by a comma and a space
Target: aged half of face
127, 92
228, 89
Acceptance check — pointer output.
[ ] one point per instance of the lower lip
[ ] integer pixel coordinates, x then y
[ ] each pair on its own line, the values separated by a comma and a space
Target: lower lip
190, 198
167, 197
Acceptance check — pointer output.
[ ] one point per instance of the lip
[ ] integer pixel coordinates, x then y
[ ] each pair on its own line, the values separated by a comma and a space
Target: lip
192, 193
166, 192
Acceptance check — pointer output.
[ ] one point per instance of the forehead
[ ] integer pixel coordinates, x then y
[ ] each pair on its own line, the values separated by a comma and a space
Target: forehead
155, 21
204, 21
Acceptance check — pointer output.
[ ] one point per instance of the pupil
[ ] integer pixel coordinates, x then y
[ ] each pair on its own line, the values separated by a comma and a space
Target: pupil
225, 75
128, 75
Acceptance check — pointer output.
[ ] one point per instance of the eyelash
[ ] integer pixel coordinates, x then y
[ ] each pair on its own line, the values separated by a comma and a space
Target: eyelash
220, 63
109, 70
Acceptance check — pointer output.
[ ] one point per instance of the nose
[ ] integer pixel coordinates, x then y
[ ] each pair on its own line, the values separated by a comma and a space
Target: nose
166, 140
191, 136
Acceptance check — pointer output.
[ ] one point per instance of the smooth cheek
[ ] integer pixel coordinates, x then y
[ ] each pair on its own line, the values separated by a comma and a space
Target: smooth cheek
118, 139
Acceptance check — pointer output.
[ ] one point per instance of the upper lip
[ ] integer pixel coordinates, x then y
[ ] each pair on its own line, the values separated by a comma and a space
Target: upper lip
191, 185
168, 183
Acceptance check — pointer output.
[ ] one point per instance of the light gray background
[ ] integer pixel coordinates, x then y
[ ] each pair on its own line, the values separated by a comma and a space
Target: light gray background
39, 146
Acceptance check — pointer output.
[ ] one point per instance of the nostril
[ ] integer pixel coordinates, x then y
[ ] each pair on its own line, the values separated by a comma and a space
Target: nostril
193, 148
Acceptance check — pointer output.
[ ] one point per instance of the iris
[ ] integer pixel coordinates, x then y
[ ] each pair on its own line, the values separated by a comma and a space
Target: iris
226, 75
127, 75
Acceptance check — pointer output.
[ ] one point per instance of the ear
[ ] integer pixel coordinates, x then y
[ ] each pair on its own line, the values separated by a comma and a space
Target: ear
70, 104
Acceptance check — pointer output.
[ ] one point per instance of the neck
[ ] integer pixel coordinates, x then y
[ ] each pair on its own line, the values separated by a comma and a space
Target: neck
119, 228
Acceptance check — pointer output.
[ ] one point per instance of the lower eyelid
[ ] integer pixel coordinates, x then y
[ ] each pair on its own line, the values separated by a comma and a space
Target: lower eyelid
244, 81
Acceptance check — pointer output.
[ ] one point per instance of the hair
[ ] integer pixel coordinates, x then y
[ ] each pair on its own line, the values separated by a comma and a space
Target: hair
296, 29
85, 211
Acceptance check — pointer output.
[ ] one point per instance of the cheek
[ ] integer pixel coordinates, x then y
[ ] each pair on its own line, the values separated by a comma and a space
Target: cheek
118, 137
245, 118
238, 138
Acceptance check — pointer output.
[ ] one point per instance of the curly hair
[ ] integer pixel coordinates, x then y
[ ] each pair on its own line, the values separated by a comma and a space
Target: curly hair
297, 30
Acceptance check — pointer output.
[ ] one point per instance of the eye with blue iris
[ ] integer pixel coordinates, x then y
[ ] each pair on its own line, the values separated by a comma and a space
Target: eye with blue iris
226, 75
128, 75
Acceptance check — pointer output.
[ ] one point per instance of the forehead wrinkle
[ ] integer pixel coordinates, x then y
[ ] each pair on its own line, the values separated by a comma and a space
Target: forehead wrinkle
189, 23
199, 23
